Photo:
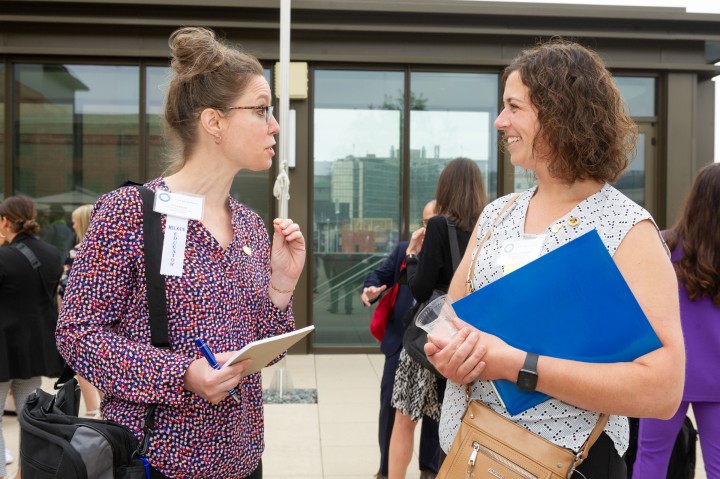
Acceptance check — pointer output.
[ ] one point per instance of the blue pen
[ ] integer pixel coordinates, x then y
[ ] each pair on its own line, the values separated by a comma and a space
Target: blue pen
205, 350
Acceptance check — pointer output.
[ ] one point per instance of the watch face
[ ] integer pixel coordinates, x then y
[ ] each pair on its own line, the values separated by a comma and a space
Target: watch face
527, 380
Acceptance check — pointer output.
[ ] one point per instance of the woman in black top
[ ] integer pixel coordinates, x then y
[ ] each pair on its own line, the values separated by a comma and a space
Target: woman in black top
417, 392
28, 309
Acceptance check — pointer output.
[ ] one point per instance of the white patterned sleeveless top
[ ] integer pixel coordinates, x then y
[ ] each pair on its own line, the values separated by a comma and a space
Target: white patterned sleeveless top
612, 214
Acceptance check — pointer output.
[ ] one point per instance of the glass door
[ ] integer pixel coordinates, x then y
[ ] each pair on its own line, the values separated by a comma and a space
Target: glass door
357, 195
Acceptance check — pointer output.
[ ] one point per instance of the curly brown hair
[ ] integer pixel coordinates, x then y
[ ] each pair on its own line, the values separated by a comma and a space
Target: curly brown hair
698, 233
581, 115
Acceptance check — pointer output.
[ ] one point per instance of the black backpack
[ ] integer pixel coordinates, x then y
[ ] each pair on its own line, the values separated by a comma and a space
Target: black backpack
682, 459
55, 442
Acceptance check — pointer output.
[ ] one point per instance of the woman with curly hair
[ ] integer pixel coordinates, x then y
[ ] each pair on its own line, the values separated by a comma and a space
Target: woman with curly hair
564, 119
695, 245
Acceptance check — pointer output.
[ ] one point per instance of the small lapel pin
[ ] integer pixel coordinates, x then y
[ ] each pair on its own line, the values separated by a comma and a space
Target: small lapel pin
247, 250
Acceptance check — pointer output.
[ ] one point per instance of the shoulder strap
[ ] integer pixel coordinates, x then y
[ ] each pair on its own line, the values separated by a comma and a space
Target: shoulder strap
157, 300
35, 263
454, 247
153, 239
471, 271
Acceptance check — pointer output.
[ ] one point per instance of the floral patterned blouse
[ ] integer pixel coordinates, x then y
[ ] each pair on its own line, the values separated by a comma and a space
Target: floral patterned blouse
222, 297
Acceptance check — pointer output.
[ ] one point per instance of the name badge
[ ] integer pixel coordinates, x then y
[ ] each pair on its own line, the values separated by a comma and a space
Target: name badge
173, 252
517, 253
181, 205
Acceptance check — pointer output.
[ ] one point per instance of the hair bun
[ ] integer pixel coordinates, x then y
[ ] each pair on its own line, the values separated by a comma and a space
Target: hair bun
195, 50
30, 226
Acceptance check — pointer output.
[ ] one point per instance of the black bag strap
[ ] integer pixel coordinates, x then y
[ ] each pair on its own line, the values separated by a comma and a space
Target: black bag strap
157, 300
454, 247
35, 263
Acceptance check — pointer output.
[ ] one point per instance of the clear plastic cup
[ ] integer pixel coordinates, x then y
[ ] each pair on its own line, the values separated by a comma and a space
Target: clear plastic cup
436, 318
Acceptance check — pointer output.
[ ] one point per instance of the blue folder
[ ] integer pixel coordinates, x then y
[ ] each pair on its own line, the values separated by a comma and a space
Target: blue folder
571, 303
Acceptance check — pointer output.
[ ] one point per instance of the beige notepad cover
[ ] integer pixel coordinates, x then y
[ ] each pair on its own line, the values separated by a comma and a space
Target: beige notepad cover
263, 351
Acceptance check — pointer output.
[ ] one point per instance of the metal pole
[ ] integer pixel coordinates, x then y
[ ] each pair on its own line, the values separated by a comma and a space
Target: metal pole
281, 190
282, 383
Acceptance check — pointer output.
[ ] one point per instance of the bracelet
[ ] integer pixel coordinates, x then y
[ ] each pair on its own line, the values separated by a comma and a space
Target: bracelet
282, 291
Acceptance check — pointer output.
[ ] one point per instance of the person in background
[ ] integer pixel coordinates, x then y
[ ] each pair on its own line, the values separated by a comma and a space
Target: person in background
80, 221
417, 392
564, 119
695, 245
8, 456
28, 309
376, 283
232, 286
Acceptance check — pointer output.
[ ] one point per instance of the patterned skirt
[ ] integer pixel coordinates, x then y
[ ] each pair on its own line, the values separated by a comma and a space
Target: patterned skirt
415, 392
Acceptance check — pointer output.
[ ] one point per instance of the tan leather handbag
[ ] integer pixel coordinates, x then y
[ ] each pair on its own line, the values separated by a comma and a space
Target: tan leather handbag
489, 445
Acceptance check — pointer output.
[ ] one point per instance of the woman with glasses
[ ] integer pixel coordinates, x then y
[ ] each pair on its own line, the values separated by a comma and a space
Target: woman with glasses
564, 120
226, 283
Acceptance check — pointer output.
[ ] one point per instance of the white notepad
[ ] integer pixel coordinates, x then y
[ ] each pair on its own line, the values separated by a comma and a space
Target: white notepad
263, 351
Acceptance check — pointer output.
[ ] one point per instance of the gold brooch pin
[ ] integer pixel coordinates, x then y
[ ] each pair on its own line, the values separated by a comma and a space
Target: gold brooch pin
247, 250
573, 221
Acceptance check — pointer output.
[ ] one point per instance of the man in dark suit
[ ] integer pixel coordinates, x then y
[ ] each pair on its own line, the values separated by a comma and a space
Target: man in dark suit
378, 281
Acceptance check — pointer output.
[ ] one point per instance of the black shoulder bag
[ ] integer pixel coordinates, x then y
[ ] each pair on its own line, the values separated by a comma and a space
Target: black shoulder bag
415, 338
54, 442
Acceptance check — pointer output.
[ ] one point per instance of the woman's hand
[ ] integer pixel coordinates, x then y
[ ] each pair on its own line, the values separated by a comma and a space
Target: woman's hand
213, 384
472, 354
416, 241
370, 293
288, 254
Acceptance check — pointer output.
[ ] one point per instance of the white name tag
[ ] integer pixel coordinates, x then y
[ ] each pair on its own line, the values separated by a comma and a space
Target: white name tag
173, 252
517, 253
181, 205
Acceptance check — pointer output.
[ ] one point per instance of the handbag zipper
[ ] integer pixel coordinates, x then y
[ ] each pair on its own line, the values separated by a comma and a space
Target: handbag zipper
495, 457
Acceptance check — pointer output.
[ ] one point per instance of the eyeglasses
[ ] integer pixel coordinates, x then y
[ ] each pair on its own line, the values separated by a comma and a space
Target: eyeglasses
267, 111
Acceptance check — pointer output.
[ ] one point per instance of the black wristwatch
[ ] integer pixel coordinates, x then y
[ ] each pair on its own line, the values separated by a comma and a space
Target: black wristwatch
528, 376
411, 258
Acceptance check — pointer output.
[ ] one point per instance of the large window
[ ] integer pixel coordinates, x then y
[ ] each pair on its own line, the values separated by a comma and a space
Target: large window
359, 160
357, 194
451, 115
76, 138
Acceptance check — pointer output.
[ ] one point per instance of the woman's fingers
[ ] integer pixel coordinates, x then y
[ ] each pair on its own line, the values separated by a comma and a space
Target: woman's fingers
460, 359
211, 384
